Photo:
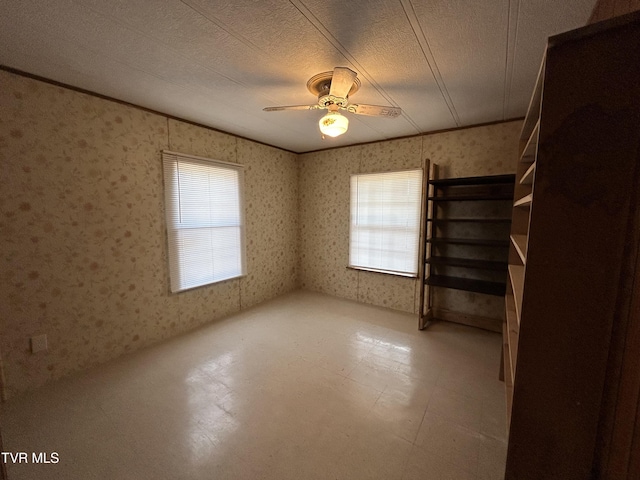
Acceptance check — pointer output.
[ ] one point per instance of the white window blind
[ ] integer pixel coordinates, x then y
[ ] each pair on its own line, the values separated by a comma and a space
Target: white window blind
205, 225
385, 222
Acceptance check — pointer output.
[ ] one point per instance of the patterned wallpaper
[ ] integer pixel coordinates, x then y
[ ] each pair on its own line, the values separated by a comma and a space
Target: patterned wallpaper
324, 211
82, 224
82, 229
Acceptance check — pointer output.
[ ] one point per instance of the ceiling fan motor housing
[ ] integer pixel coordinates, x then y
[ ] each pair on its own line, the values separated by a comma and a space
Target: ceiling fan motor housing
320, 85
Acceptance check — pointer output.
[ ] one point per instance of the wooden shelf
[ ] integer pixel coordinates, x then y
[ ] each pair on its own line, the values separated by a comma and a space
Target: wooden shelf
471, 198
533, 111
467, 284
471, 220
467, 263
508, 374
469, 241
513, 329
469, 181
520, 243
524, 201
516, 276
527, 178
530, 149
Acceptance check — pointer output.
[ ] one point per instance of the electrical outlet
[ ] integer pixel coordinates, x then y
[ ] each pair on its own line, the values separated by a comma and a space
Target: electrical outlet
38, 343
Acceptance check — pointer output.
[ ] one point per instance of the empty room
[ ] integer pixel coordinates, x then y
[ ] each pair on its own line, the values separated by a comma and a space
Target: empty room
306, 239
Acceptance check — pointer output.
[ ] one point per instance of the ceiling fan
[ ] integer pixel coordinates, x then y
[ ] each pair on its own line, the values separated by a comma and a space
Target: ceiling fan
333, 90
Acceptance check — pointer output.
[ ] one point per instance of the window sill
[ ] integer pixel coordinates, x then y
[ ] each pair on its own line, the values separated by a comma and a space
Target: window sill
385, 272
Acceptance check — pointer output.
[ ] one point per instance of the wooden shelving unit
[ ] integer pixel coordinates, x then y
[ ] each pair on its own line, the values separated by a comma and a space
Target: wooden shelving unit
572, 302
516, 279
468, 263
468, 284
527, 177
520, 242
473, 220
467, 237
524, 201
480, 242
528, 154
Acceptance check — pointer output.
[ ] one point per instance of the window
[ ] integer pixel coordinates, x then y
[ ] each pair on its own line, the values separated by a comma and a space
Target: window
385, 222
205, 225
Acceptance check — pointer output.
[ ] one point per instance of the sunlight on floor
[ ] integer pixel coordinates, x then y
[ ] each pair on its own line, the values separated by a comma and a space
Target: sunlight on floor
305, 386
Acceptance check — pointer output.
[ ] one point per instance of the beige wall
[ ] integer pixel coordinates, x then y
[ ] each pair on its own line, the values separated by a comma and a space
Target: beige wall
324, 210
612, 8
83, 236
82, 224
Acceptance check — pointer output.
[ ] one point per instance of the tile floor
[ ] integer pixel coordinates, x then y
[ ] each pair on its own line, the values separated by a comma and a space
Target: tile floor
305, 386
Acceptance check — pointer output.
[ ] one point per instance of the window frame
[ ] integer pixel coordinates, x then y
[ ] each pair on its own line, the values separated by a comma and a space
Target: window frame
418, 227
170, 168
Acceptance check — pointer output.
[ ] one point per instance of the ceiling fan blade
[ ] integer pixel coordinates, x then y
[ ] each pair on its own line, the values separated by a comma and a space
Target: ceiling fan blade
342, 81
374, 110
291, 107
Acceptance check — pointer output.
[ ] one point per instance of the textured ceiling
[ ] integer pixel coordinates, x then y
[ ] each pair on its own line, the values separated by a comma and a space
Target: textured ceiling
446, 63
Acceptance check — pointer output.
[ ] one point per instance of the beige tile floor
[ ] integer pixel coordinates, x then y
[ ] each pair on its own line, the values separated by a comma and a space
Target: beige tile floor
306, 386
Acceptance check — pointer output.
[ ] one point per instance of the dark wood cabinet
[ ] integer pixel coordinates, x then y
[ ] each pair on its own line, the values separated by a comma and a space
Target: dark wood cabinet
572, 329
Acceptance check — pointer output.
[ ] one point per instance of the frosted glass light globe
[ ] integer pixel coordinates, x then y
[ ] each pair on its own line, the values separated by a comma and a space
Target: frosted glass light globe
333, 124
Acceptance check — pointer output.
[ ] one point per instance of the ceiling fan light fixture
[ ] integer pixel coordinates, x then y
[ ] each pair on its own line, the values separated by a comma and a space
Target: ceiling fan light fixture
333, 124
